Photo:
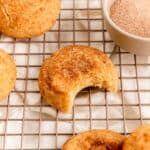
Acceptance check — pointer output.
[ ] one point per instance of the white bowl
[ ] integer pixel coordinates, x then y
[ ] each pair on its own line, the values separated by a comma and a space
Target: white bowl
130, 42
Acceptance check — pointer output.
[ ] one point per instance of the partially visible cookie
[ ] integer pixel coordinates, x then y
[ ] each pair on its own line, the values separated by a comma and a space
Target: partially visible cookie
7, 74
72, 68
27, 18
139, 139
95, 140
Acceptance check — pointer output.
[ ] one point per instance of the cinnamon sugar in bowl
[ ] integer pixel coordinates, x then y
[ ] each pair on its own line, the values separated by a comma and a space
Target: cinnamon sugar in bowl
128, 23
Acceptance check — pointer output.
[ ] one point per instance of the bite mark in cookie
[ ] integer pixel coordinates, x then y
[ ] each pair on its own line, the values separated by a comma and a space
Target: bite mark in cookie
71, 69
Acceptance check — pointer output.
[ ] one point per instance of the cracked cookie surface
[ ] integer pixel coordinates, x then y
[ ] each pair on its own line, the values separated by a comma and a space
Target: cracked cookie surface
27, 18
71, 69
95, 140
139, 139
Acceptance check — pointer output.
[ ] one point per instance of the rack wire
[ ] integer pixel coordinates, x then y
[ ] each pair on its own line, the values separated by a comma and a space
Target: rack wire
26, 122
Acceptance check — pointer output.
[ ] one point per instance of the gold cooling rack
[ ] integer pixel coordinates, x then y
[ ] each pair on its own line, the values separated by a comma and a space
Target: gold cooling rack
26, 122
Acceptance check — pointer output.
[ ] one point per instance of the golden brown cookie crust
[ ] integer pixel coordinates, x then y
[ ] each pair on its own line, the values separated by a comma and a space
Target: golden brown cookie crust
7, 74
95, 140
139, 139
71, 69
28, 18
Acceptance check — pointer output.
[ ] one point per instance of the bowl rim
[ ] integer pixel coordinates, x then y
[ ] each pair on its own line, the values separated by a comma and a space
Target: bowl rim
114, 25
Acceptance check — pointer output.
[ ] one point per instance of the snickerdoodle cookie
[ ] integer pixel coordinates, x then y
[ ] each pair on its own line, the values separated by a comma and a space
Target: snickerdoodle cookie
95, 140
139, 139
7, 74
27, 18
71, 69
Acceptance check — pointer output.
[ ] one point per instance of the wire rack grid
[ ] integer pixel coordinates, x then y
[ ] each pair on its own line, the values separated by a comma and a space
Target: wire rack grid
26, 122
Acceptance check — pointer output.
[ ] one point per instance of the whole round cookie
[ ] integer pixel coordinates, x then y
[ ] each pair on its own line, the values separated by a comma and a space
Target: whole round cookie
7, 74
95, 140
139, 139
28, 18
71, 69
